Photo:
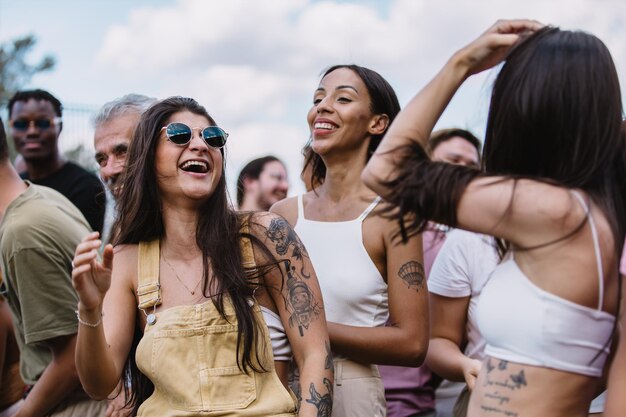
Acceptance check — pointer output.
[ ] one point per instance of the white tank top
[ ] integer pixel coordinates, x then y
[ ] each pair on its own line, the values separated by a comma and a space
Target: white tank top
354, 292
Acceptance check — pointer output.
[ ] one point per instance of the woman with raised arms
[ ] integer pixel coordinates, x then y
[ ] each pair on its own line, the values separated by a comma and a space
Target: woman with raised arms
552, 191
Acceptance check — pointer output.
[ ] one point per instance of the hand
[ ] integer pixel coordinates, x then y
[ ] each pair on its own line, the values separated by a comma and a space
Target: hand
471, 368
492, 46
91, 278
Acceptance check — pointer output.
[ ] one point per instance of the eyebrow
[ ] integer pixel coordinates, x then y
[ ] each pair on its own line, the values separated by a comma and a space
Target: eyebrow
339, 87
120, 147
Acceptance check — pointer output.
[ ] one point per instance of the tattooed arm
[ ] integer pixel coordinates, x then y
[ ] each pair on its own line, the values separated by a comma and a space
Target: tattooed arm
405, 340
295, 292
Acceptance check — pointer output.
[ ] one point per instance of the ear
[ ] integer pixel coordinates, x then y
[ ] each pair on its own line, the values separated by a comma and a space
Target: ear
250, 185
378, 124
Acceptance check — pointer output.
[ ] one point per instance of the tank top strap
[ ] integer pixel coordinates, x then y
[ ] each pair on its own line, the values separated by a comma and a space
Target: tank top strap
596, 247
369, 209
301, 207
148, 285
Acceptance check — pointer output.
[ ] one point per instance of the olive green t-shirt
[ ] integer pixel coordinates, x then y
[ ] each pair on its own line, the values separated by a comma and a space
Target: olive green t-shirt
38, 236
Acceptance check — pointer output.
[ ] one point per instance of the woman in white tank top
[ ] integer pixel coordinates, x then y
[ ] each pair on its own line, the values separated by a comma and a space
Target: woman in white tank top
553, 191
366, 276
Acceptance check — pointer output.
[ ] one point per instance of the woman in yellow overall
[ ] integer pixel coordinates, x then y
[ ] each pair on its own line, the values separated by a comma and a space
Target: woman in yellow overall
203, 304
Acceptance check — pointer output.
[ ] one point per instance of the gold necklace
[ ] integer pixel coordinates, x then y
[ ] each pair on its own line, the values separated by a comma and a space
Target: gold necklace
192, 292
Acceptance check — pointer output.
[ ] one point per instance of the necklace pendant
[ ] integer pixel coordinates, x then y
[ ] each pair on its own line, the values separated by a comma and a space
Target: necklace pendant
151, 319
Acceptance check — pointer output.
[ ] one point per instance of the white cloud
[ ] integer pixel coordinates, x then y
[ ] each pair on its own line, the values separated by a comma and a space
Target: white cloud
258, 62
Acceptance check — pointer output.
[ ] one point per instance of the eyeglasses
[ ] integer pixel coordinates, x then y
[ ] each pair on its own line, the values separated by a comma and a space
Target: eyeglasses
42, 124
181, 134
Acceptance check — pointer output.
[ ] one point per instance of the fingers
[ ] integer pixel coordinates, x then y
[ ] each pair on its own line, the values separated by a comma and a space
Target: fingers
515, 26
107, 256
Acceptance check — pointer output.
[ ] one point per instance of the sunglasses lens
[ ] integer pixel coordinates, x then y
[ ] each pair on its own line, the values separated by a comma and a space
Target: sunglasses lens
20, 124
214, 136
42, 123
178, 133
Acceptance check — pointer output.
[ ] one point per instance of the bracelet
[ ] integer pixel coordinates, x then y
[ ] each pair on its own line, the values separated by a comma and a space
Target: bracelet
84, 323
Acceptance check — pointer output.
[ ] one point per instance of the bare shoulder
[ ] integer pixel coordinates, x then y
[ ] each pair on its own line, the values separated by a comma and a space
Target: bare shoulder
287, 208
125, 263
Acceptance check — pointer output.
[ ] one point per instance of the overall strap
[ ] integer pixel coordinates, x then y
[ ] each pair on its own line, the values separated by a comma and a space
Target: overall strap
245, 246
596, 247
148, 286
369, 209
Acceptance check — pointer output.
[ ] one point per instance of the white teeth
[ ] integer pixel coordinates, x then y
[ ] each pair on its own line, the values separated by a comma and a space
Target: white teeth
326, 126
196, 163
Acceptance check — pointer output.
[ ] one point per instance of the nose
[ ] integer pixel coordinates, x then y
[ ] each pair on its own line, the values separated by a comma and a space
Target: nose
324, 105
32, 130
197, 142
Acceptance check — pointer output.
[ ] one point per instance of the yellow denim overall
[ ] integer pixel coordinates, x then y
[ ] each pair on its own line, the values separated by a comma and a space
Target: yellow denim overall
189, 354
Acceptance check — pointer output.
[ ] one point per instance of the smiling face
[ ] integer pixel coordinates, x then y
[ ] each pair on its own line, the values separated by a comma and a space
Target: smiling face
111, 141
272, 184
35, 143
191, 171
341, 117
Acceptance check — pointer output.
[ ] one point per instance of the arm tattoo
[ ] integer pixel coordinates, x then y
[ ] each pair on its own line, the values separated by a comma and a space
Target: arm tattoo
412, 273
328, 363
301, 302
323, 403
281, 234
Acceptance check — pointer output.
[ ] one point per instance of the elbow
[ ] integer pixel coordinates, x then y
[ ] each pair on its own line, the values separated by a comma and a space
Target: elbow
415, 354
96, 393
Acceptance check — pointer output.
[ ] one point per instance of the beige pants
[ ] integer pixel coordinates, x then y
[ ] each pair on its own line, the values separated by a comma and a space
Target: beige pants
358, 390
86, 408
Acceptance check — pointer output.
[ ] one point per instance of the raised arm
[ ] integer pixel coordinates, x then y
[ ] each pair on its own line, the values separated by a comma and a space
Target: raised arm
296, 293
416, 121
107, 314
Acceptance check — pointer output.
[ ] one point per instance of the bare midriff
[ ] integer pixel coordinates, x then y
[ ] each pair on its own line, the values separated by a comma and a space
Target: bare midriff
507, 389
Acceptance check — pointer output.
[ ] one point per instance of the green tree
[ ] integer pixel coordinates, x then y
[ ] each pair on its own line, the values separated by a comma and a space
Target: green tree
15, 70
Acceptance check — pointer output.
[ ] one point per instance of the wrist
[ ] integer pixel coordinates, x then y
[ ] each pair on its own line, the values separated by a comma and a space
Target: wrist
90, 314
459, 65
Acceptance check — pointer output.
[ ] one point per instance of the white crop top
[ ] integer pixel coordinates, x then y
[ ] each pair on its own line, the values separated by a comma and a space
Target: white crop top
280, 343
525, 324
353, 289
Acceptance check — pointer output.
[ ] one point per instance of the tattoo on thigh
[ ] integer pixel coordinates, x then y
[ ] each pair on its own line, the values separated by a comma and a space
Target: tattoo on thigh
412, 273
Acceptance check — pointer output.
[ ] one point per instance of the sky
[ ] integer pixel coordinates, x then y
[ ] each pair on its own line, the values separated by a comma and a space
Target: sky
254, 64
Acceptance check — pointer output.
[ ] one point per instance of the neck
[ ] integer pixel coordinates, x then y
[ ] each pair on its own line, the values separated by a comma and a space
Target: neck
343, 176
44, 168
180, 225
249, 203
11, 184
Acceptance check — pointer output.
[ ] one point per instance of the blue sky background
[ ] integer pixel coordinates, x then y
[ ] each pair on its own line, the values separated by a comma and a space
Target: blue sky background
254, 64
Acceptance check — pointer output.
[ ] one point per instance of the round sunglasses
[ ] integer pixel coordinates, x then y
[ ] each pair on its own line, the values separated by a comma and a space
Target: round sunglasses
181, 134
23, 125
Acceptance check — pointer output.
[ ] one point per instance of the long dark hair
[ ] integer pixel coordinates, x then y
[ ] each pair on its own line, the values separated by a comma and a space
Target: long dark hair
383, 101
555, 116
218, 234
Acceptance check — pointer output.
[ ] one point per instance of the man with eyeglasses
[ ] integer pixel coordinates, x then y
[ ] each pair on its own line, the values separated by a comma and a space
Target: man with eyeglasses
261, 183
39, 232
35, 122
